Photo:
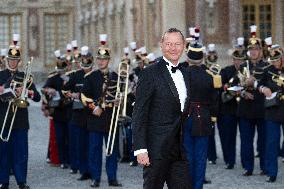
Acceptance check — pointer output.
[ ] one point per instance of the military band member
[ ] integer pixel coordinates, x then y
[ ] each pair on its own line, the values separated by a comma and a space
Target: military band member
98, 95
251, 106
227, 118
272, 87
150, 58
211, 61
3, 55
78, 134
53, 89
202, 110
18, 142
127, 155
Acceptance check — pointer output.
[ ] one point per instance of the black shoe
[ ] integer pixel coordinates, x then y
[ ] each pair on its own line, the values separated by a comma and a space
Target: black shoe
212, 162
64, 166
271, 179
85, 176
72, 171
133, 163
229, 167
95, 184
4, 186
247, 173
206, 181
114, 183
24, 186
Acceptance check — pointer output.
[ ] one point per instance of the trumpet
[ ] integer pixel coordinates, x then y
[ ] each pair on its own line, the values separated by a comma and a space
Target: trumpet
278, 79
119, 111
19, 102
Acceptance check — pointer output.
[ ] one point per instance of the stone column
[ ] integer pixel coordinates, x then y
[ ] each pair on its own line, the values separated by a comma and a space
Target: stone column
174, 14
200, 18
278, 22
77, 4
235, 21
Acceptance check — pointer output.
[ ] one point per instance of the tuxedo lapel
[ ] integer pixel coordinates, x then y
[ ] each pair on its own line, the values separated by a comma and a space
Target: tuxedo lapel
168, 79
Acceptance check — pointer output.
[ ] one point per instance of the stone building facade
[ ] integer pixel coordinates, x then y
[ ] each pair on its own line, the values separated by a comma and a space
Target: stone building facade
46, 25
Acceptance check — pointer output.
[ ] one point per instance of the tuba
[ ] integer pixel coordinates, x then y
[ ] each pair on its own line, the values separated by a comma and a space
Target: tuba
119, 111
17, 102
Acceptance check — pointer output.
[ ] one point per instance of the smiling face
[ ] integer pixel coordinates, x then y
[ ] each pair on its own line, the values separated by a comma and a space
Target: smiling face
13, 63
103, 63
254, 53
172, 46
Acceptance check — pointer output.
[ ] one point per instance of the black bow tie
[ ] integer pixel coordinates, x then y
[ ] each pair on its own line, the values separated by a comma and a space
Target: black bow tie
175, 68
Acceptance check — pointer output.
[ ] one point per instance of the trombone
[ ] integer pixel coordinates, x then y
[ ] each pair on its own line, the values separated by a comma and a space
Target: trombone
20, 102
119, 110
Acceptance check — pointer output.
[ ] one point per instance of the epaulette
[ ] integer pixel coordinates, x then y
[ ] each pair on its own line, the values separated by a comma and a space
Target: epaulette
52, 74
70, 72
89, 73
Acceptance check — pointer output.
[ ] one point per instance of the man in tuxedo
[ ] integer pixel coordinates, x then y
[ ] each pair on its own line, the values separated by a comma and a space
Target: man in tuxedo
157, 117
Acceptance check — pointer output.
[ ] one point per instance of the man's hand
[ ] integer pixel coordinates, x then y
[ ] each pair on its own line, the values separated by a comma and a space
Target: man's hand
143, 159
116, 102
248, 96
97, 111
250, 81
1, 89
51, 92
267, 92
75, 95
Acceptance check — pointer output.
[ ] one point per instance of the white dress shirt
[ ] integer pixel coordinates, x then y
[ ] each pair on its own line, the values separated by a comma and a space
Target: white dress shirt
181, 89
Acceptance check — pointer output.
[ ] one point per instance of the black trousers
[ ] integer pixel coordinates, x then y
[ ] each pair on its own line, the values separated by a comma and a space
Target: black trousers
174, 173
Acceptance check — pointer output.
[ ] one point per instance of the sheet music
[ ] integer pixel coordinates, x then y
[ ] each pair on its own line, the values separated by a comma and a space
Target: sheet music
235, 88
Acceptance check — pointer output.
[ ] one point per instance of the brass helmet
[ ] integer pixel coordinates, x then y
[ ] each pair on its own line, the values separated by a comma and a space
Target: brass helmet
254, 42
239, 50
195, 50
211, 56
275, 53
61, 63
14, 53
87, 59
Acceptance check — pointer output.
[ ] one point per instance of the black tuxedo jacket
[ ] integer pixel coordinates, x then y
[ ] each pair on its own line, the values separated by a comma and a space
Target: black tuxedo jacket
157, 117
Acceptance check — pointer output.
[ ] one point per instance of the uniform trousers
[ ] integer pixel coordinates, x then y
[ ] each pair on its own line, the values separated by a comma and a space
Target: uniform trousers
273, 132
227, 125
95, 157
212, 154
82, 149
196, 148
247, 131
18, 147
61, 132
